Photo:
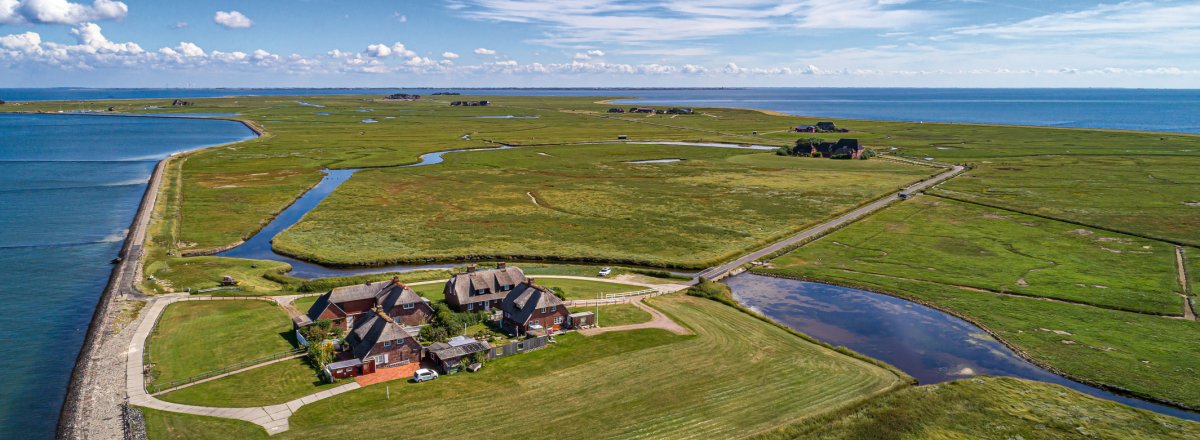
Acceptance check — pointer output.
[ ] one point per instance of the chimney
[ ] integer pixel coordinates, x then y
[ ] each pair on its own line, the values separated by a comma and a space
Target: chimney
531, 282
501, 265
396, 281
470, 268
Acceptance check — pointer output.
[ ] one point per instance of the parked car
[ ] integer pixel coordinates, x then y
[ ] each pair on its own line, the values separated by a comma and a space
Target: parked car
605, 271
424, 374
904, 196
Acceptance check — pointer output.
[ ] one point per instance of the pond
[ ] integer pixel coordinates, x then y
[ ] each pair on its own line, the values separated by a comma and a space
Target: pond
924, 342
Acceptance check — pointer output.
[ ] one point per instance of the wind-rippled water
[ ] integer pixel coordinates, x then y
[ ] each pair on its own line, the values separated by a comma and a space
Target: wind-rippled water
69, 187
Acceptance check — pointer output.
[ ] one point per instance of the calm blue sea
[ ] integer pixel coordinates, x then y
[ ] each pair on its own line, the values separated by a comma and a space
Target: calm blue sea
69, 186
1129, 109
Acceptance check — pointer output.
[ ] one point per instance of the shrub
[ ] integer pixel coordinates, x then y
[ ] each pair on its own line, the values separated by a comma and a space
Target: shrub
713, 290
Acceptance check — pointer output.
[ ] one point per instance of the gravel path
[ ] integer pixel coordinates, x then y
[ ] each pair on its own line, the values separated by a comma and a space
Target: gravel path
658, 320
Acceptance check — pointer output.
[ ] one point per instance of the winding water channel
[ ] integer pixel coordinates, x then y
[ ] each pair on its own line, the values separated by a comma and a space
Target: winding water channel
924, 342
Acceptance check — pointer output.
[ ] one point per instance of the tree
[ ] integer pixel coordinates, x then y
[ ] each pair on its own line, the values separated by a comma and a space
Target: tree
320, 354
1, 102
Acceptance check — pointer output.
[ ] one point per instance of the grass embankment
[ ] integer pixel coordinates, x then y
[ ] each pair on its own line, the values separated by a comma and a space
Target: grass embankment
584, 289
989, 407
581, 204
621, 314
1148, 355
199, 336
268, 385
712, 384
954, 243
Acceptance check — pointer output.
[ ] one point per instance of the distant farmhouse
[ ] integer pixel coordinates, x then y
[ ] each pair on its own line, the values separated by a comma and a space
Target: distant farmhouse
649, 110
481, 289
180, 103
345, 305
616, 110
471, 103
377, 341
403, 96
680, 111
842, 149
821, 127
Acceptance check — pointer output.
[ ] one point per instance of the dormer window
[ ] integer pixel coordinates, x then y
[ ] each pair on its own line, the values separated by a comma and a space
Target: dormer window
481, 291
410, 306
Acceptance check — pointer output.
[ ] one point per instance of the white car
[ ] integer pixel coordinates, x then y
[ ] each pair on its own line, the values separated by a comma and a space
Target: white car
424, 374
605, 271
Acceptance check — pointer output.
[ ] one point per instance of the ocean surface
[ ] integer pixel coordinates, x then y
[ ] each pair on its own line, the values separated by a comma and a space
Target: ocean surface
1127, 109
69, 187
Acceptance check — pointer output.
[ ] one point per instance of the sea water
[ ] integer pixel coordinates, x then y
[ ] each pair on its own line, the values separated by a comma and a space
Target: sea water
69, 187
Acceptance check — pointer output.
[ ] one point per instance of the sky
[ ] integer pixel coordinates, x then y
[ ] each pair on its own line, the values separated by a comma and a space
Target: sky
600, 43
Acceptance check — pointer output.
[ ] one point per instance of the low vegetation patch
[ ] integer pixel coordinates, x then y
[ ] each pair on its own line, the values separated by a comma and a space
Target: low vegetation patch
199, 336
989, 407
948, 242
569, 289
581, 205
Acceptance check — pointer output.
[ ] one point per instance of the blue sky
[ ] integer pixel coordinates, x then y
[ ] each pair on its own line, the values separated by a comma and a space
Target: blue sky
606, 43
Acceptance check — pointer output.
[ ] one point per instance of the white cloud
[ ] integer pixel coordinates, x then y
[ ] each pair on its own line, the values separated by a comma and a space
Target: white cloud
400, 17
180, 25
449, 55
595, 53
60, 11
582, 56
190, 50
384, 51
483, 51
232, 20
1121, 18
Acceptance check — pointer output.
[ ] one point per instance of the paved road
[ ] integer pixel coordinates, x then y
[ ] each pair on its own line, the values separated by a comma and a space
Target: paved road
723, 270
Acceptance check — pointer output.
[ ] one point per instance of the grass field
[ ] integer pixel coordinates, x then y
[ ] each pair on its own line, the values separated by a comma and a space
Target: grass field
584, 289
176, 426
1140, 193
691, 391
195, 337
621, 314
954, 243
267, 385
518, 204
1145, 354
989, 407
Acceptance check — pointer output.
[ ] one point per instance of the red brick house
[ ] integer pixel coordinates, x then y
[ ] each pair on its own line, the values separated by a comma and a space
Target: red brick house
530, 308
376, 341
481, 289
345, 305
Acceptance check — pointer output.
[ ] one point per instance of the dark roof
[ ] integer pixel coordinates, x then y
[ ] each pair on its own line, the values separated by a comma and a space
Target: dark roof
344, 364
458, 347
368, 332
461, 285
388, 294
314, 311
520, 304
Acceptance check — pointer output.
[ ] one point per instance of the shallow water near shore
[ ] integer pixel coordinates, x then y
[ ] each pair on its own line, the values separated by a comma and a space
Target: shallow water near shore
924, 342
69, 187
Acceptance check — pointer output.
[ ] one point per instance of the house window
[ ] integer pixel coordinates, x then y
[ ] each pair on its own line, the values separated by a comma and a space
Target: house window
410, 306
544, 309
481, 292
470, 306
387, 344
557, 320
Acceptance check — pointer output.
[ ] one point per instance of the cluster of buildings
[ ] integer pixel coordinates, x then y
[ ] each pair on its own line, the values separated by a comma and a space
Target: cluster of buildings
403, 96
381, 319
471, 103
821, 127
652, 110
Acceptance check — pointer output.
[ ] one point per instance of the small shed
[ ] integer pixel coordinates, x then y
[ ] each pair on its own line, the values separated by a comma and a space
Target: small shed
343, 369
581, 320
448, 356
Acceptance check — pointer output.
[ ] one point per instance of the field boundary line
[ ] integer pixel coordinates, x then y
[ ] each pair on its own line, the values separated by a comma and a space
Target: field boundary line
1073, 222
1189, 311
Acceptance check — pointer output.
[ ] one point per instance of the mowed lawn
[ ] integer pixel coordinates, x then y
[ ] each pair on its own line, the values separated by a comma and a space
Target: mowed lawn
619, 314
584, 289
198, 336
585, 203
990, 407
267, 385
738, 375
949, 242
